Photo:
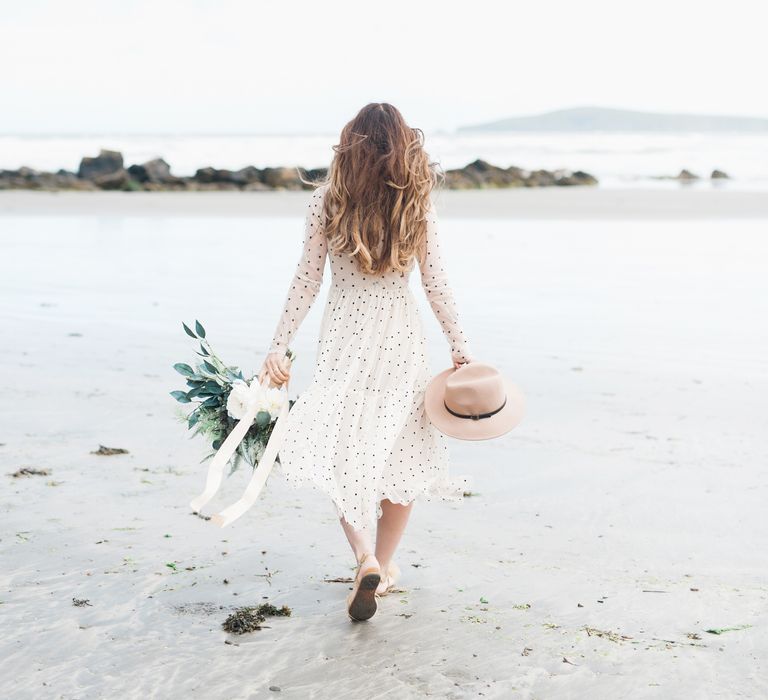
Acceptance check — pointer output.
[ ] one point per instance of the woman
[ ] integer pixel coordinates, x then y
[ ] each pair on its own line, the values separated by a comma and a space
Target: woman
359, 432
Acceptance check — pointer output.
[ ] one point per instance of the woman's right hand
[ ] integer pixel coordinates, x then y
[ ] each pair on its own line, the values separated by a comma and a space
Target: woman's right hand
277, 367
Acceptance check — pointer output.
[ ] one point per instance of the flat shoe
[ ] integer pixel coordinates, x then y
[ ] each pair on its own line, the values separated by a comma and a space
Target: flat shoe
389, 579
361, 602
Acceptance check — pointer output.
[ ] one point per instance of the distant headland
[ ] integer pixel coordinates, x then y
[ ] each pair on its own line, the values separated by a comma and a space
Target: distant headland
605, 119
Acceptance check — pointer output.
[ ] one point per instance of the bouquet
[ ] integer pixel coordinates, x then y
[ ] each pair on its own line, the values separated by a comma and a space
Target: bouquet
223, 397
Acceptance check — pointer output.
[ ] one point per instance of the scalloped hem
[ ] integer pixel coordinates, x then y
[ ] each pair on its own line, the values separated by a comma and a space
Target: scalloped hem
441, 488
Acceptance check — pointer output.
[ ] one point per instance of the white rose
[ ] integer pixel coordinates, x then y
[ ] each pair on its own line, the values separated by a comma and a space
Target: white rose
243, 398
273, 402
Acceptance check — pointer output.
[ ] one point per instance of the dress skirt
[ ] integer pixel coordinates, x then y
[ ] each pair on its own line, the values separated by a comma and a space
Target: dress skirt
359, 432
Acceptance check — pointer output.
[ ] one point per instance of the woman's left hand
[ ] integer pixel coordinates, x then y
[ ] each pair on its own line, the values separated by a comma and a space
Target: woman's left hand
459, 360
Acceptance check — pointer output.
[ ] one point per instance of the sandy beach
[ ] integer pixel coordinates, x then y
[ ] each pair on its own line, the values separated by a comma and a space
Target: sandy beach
701, 201
613, 545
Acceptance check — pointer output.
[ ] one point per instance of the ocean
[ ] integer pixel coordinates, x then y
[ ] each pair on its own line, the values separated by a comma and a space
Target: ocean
618, 160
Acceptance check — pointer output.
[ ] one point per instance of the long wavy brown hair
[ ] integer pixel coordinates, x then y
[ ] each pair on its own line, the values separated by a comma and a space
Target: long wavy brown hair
378, 195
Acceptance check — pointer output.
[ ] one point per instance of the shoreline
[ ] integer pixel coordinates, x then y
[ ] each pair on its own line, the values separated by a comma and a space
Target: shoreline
531, 203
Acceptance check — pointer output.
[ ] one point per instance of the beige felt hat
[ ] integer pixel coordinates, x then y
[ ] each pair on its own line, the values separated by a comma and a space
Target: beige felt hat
473, 402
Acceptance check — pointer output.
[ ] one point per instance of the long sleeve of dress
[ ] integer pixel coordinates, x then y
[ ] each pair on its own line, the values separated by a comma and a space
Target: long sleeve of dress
307, 279
434, 280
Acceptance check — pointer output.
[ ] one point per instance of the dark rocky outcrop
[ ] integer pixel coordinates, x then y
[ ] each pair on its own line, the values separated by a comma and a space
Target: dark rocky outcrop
686, 177
157, 171
106, 163
577, 177
481, 174
209, 176
118, 180
29, 179
286, 178
107, 172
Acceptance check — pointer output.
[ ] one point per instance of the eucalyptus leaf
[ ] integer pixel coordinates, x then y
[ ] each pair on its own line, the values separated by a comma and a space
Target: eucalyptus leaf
213, 388
180, 396
188, 331
262, 419
210, 367
199, 328
209, 403
192, 420
203, 351
184, 369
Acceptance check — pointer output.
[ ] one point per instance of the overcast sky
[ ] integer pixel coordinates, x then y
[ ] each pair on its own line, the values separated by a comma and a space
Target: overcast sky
243, 66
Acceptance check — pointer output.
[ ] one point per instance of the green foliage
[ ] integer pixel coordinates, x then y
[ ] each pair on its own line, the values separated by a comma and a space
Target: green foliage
209, 383
180, 396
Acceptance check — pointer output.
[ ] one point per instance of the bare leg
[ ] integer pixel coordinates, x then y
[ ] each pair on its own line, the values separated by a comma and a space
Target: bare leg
359, 540
390, 528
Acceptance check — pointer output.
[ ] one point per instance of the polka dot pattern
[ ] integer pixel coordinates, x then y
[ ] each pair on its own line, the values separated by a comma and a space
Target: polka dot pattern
359, 432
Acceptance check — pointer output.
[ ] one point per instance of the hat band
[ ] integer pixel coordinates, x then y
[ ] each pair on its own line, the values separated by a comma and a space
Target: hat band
477, 416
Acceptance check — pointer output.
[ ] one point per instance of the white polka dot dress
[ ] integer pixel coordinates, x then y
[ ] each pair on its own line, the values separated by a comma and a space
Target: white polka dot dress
359, 432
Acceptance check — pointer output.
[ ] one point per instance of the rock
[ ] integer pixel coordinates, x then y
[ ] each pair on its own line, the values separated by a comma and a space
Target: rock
171, 184
541, 178
210, 175
480, 173
106, 172
578, 177
119, 180
66, 180
156, 171
246, 176
281, 178
256, 187
23, 178
106, 163
686, 175
719, 175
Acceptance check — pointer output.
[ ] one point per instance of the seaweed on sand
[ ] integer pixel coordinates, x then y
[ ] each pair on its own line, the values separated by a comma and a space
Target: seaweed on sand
109, 451
30, 471
250, 618
607, 634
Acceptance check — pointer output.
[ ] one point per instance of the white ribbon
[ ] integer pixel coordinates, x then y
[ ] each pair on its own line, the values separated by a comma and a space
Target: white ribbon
260, 472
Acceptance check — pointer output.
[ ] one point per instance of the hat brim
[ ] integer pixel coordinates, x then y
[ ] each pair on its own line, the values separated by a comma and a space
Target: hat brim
466, 428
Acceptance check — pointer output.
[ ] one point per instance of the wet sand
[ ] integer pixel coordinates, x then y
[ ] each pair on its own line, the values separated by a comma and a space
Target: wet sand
605, 536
